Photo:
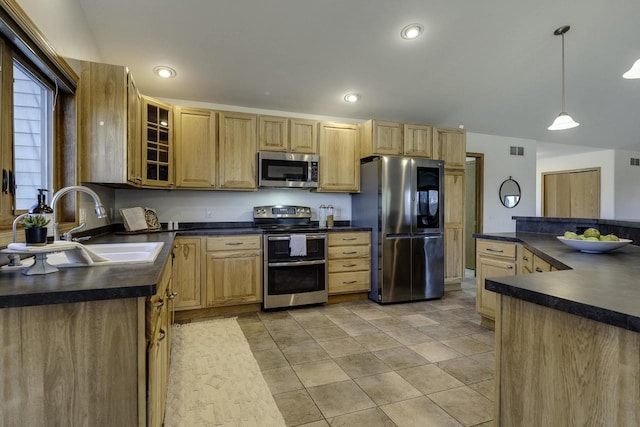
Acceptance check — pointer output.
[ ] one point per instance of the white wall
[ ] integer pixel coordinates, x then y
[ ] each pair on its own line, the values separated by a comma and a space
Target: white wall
627, 185
604, 159
191, 206
498, 166
64, 25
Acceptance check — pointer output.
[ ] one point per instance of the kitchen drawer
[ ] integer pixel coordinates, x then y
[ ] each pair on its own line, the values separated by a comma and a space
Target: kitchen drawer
343, 265
357, 281
496, 248
361, 251
526, 261
227, 243
349, 238
540, 265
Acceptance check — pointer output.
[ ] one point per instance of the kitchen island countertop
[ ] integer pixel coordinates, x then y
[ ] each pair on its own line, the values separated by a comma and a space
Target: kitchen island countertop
602, 287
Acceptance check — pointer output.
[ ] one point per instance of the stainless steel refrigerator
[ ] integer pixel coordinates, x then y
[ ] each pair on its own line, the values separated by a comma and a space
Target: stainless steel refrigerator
402, 200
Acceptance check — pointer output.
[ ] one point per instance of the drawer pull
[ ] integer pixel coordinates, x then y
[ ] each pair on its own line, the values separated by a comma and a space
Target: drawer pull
525, 258
172, 295
349, 265
349, 253
233, 243
162, 335
158, 305
509, 267
495, 250
539, 270
349, 282
349, 238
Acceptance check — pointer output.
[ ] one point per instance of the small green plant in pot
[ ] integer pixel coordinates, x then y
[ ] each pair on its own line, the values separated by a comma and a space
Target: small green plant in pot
35, 229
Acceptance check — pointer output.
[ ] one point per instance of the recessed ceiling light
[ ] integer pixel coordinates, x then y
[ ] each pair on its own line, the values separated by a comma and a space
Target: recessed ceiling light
351, 97
411, 31
165, 72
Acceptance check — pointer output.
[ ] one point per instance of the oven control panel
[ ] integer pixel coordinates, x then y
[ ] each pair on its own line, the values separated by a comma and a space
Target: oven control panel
281, 211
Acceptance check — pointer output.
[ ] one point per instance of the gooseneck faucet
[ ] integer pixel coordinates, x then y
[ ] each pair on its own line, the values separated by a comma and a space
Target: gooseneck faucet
99, 209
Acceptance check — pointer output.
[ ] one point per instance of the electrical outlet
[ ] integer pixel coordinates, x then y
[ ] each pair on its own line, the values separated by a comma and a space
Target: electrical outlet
208, 213
82, 213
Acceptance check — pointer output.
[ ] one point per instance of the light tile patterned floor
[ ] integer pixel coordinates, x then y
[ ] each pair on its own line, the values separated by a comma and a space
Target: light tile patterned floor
426, 363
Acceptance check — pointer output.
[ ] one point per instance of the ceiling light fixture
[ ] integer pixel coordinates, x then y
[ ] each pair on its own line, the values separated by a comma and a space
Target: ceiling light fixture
634, 71
564, 120
351, 97
411, 31
165, 72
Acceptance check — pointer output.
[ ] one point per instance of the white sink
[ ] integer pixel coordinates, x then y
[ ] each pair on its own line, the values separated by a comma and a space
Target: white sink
110, 254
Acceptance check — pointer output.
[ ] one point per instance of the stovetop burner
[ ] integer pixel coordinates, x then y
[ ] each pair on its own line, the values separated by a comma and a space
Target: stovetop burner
283, 218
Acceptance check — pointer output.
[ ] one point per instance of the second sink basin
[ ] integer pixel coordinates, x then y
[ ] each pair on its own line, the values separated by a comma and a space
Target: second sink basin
110, 254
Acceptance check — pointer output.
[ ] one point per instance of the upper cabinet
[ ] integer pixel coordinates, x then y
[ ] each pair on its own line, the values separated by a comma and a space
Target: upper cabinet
339, 158
195, 147
109, 125
238, 149
287, 135
157, 150
378, 137
418, 141
450, 145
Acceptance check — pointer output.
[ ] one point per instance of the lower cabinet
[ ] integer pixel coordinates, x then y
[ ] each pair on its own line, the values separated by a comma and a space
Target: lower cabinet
349, 262
233, 270
187, 256
159, 309
493, 259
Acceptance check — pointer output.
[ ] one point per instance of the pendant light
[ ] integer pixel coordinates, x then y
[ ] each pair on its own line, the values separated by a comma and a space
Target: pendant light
564, 120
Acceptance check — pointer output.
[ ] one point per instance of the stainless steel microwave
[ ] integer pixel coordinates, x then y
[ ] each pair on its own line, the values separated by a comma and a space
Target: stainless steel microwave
287, 170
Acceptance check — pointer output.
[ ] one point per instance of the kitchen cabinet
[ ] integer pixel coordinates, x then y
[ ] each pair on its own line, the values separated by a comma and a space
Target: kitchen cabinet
339, 158
159, 308
195, 147
238, 147
187, 283
418, 141
109, 125
379, 137
450, 145
233, 270
349, 262
531, 263
157, 143
493, 259
454, 201
303, 136
273, 133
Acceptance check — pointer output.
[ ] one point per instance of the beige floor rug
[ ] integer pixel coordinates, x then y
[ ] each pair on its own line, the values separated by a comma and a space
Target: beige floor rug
214, 379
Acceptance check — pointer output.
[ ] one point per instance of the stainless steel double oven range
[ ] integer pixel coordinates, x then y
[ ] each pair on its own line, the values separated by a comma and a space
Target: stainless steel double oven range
294, 274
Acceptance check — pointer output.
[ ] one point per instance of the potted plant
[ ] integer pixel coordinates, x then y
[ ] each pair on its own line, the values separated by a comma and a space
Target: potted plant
35, 229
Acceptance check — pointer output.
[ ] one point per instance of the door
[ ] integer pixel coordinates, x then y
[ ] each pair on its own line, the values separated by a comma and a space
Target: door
396, 200
396, 269
574, 193
427, 196
427, 257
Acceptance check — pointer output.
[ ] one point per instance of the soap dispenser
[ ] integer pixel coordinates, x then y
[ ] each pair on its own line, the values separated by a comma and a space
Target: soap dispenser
41, 208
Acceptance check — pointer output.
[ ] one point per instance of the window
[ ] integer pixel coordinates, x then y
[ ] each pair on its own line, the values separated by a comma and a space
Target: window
32, 136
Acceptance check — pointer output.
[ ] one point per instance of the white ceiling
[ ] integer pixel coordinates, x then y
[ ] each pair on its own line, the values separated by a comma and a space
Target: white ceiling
493, 66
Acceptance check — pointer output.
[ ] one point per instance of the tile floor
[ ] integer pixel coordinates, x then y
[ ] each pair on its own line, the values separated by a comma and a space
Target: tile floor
426, 363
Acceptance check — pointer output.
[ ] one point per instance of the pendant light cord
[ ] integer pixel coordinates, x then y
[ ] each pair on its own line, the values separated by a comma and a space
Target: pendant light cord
563, 110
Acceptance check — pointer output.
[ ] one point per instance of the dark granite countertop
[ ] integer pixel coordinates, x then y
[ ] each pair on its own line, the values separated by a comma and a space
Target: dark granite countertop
603, 287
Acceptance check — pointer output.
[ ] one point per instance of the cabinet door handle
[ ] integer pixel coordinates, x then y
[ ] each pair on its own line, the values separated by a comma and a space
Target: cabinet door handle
5, 181
158, 305
349, 253
349, 238
526, 258
349, 265
510, 267
172, 295
234, 243
349, 282
539, 270
495, 250
162, 335
12, 183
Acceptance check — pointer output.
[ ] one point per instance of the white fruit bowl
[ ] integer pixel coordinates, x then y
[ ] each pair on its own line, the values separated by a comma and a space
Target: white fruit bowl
593, 246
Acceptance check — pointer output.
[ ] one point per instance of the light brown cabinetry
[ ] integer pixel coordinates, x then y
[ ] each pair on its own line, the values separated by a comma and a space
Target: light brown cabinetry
109, 125
418, 141
339, 158
379, 137
454, 201
159, 348
195, 147
233, 270
157, 143
531, 263
349, 262
303, 136
187, 252
287, 135
450, 145
493, 259
237, 150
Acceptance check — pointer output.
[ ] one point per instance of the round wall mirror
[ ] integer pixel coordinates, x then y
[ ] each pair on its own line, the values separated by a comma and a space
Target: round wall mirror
510, 193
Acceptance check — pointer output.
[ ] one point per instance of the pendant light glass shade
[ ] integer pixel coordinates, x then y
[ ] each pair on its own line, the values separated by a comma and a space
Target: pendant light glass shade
634, 71
564, 120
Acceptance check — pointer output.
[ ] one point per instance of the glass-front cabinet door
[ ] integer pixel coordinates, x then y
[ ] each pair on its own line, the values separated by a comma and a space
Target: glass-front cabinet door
157, 138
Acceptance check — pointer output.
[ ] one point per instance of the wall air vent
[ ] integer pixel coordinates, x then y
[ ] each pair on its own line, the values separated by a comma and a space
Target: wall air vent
517, 151
635, 162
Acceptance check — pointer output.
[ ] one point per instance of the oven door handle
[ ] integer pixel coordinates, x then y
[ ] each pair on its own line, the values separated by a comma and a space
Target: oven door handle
295, 263
309, 237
